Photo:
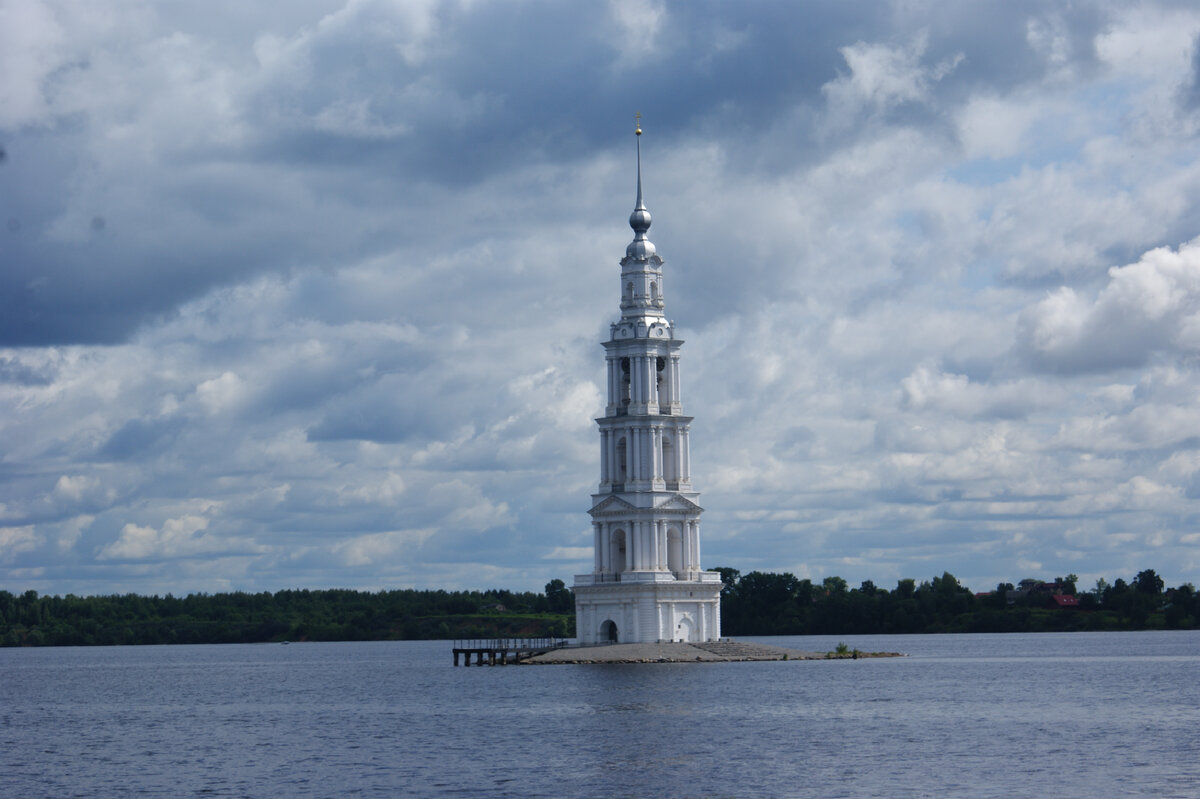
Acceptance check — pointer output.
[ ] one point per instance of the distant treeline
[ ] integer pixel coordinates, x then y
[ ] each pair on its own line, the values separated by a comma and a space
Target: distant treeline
757, 603
762, 603
326, 615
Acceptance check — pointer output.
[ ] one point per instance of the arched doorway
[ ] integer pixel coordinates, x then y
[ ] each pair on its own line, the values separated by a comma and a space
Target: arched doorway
683, 630
608, 632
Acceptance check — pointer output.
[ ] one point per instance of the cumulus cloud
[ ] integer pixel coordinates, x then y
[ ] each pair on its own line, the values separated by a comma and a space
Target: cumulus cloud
639, 24
30, 49
954, 395
313, 294
1149, 307
882, 76
182, 537
14, 540
377, 549
73, 487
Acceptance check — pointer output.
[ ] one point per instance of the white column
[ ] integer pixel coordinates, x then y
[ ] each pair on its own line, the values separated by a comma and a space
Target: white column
604, 478
675, 378
630, 451
610, 455
612, 383
643, 452
628, 561
685, 545
635, 380
648, 379
652, 373
614, 380
686, 459
642, 465
677, 454
605, 554
630, 454
641, 535
696, 544
611, 565
614, 468
649, 432
648, 371
664, 395
597, 566
633, 453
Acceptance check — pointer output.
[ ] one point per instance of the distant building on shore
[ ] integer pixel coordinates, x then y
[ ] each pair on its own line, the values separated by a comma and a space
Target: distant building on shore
1054, 594
646, 584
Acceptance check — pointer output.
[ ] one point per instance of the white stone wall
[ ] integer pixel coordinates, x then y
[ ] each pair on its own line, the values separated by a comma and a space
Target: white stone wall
649, 612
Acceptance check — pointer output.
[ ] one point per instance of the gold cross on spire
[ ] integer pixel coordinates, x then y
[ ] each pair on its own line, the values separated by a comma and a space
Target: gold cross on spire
638, 123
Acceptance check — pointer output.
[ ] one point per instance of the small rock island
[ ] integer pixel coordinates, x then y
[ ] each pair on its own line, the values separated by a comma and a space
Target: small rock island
682, 652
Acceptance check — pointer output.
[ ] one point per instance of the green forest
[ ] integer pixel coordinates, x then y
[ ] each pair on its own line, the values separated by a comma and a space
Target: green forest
761, 603
757, 603
294, 615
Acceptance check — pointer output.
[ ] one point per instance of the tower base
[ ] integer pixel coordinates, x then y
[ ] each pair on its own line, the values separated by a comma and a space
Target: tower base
646, 610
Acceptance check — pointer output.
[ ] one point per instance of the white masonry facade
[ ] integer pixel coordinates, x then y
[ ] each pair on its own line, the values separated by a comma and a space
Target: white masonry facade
646, 584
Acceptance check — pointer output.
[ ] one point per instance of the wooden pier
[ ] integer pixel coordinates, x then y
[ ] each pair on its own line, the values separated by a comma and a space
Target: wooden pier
502, 651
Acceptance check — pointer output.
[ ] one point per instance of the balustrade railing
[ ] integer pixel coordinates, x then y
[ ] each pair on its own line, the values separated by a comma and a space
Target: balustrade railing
510, 644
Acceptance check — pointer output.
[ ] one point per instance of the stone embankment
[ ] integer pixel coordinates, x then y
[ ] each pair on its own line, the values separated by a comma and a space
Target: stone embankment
711, 652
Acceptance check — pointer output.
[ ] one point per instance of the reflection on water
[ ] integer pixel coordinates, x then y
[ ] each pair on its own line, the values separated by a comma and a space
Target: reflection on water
964, 715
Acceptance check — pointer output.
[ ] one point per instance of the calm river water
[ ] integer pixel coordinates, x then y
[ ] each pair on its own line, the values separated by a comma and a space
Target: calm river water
1082, 714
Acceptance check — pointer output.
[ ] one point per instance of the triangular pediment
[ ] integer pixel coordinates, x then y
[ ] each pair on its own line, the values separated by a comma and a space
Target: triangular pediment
611, 505
680, 503
673, 504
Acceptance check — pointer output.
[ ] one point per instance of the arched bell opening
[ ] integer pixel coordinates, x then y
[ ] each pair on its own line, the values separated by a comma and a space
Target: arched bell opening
674, 550
618, 551
669, 467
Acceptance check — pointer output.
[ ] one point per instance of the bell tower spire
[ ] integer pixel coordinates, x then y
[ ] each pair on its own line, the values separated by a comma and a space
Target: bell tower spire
641, 268
637, 131
646, 583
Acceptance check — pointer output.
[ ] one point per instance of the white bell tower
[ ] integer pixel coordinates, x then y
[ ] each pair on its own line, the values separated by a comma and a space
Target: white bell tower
646, 584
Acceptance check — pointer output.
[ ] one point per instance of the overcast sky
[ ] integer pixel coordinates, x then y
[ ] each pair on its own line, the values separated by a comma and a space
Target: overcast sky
311, 294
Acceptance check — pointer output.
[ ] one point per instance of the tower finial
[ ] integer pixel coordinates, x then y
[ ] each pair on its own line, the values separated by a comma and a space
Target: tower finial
639, 220
638, 132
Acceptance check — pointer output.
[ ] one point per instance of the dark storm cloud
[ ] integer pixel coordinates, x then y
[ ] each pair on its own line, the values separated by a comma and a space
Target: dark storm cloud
469, 101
